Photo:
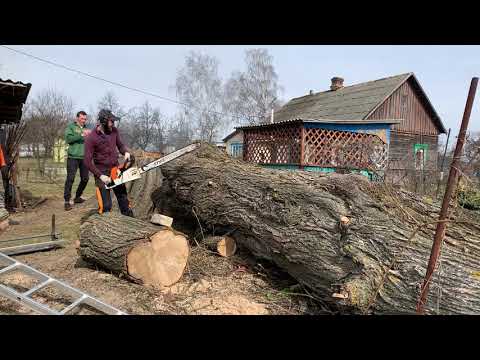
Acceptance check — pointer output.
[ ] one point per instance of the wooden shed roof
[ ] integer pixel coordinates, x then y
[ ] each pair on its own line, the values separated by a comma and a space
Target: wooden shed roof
12, 97
350, 102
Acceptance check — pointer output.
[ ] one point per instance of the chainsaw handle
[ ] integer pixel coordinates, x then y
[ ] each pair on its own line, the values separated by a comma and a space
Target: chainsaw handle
128, 164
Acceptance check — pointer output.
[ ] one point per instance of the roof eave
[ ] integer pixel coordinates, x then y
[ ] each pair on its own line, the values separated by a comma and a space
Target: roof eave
228, 137
19, 97
408, 75
442, 127
320, 121
412, 75
359, 121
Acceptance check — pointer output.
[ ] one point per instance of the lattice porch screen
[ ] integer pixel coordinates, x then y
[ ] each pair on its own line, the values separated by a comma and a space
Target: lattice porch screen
279, 145
321, 147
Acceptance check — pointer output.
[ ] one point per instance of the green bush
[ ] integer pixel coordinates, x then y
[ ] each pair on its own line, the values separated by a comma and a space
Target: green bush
469, 198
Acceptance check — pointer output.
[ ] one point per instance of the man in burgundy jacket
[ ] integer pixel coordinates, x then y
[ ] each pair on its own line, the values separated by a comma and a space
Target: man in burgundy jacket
101, 156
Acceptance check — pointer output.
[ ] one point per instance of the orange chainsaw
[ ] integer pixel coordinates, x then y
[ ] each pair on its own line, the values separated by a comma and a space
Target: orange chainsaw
127, 172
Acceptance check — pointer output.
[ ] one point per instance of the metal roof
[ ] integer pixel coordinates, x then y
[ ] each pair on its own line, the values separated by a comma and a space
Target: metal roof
321, 121
350, 102
12, 97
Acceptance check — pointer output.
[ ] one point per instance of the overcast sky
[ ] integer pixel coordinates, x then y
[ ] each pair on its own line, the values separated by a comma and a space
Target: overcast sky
444, 72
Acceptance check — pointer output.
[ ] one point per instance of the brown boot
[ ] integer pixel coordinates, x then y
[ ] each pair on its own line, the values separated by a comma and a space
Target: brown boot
68, 206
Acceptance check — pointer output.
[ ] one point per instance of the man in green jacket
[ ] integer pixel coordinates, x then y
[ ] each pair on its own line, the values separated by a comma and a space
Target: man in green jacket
75, 134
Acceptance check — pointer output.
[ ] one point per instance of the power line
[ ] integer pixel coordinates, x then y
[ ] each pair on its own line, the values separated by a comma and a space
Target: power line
111, 82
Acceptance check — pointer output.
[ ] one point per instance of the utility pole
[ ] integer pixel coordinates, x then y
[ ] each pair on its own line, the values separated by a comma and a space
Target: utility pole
451, 186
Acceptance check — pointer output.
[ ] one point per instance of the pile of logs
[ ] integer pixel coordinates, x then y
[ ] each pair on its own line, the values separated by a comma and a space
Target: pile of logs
359, 247
142, 252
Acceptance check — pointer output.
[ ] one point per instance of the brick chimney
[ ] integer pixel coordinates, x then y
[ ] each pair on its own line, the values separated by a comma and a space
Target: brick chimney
337, 83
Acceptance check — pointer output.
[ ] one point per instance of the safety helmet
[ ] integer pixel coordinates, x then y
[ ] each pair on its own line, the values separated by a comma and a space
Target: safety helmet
104, 115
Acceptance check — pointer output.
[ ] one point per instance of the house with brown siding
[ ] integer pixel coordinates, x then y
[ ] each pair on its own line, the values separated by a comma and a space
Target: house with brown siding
413, 138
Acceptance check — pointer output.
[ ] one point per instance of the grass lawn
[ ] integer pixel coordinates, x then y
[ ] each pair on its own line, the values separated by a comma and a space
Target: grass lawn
38, 220
39, 186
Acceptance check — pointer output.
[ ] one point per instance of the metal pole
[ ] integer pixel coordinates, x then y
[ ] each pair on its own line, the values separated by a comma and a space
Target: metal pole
443, 162
451, 185
28, 237
423, 171
53, 235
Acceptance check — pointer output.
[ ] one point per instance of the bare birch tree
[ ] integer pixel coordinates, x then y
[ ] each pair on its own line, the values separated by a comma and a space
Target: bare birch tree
199, 86
253, 93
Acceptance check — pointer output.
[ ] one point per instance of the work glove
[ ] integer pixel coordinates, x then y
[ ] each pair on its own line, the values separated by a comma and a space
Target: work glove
127, 156
105, 179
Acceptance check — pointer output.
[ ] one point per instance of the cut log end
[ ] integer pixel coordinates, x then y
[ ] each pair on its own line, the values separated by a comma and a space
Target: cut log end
160, 262
143, 252
4, 225
226, 247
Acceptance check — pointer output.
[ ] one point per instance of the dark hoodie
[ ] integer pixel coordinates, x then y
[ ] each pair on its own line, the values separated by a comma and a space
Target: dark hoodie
102, 149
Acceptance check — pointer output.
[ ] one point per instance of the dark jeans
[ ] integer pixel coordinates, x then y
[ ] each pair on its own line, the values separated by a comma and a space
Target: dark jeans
104, 198
72, 166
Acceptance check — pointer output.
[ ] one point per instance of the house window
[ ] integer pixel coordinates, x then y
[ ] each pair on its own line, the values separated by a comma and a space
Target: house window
420, 152
236, 150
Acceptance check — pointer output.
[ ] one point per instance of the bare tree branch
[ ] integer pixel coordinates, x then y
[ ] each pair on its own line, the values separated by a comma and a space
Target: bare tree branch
110, 101
48, 114
180, 131
147, 127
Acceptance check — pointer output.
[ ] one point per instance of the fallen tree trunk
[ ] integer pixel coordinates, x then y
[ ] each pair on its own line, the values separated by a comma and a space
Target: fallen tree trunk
139, 192
371, 262
142, 252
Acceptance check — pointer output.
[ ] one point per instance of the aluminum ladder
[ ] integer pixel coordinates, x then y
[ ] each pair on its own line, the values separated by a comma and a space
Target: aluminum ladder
9, 264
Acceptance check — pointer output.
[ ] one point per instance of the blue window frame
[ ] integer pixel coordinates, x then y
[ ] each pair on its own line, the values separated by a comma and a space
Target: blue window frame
236, 149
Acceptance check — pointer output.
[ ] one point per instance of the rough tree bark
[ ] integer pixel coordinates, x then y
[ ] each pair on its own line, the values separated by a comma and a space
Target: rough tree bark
142, 252
293, 220
139, 191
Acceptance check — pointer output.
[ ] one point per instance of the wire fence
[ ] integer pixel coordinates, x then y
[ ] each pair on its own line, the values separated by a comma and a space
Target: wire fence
430, 183
49, 175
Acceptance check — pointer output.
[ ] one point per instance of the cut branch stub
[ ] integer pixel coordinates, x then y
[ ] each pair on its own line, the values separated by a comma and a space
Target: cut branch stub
223, 245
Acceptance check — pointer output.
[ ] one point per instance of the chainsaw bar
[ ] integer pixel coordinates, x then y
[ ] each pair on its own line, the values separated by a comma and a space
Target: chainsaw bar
135, 173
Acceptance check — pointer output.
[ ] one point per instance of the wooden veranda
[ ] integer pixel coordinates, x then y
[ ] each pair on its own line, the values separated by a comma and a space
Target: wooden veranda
313, 146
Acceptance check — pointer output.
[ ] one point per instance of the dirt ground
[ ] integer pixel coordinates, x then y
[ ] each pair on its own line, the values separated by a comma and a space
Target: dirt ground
211, 284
